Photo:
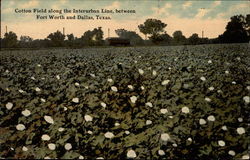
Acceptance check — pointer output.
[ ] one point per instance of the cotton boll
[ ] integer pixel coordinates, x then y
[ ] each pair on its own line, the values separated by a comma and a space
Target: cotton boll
131, 154
185, 110
20, 127
240, 130
109, 135
165, 137
75, 100
9, 105
68, 146
221, 143
88, 118
133, 99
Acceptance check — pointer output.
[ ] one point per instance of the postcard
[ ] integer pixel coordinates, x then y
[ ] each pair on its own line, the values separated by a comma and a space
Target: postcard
124, 79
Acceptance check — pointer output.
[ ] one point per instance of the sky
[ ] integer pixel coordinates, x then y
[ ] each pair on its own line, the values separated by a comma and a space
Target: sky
190, 17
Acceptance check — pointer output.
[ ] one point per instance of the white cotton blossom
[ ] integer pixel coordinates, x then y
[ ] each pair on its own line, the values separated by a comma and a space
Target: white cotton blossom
248, 87
240, 119
25, 149
141, 71
202, 121
209, 61
149, 104
211, 118
245, 156
164, 111
65, 108
130, 87
45, 137
49, 119
43, 100
142, 88
20, 127
77, 84
154, 73
88, 118
68, 146
52, 146
148, 122
233, 82
133, 99
60, 129
75, 100
92, 75
109, 135
203, 78
113, 88
26, 112
165, 137
232, 153
99, 158
208, 99
110, 80
33, 78
211, 88
190, 139
185, 110
165, 82
174, 145
221, 143
104, 105
47, 157
38, 89
170, 117
224, 128
246, 99
240, 130
58, 77
131, 154
9, 105
227, 72
80, 157
161, 152
117, 124
127, 132
21, 91
89, 132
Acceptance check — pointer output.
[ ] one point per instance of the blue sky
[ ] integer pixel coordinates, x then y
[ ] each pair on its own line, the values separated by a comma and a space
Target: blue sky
187, 16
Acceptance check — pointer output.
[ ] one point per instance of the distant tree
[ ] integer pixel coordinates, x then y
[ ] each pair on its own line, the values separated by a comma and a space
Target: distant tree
10, 40
57, 39
134, 38
165, 39
194, 39
70, 40
152, 27
70, 37
178, 37
25, 41
237, 30
93, 38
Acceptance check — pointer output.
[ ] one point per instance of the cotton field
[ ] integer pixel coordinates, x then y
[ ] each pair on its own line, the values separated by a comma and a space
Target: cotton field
179, 102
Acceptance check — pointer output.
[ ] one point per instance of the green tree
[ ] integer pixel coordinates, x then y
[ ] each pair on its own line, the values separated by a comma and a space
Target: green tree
10, 40
57, 39
178, 37
237, 30
25, 41
134, 38
152, 27
93, 38
194, 39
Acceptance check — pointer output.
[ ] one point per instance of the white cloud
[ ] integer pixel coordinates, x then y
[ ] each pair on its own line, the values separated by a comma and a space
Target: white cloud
216, 3
114, 5
202, 12
242, 8
163, 10
187, 5
31, 3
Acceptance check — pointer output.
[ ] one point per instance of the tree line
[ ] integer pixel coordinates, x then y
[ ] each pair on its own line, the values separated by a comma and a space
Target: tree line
237, 31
